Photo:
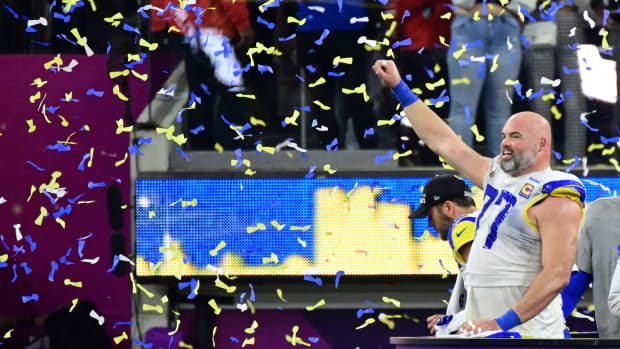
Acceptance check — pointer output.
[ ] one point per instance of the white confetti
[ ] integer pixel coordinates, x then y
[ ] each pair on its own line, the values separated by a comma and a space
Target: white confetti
586, 16
547, 81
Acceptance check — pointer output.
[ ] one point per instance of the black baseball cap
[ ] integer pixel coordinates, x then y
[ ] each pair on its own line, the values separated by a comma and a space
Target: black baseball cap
440, 189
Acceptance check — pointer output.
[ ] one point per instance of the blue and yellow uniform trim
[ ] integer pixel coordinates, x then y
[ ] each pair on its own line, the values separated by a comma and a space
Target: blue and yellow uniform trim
567, 188
462, 232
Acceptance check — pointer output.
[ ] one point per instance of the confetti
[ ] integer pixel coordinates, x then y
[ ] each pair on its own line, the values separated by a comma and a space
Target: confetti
366, 323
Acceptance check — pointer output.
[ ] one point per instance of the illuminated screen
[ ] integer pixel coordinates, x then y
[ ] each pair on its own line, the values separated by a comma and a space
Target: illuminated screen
188, 227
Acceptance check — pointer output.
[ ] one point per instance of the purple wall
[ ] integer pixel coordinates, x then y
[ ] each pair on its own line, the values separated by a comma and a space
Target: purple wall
111, 294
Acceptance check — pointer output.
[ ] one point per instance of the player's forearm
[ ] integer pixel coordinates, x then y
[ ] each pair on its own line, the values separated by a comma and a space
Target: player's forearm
547, 285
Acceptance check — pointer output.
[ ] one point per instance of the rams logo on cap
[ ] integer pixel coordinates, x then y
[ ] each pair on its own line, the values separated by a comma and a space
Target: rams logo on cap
526, 191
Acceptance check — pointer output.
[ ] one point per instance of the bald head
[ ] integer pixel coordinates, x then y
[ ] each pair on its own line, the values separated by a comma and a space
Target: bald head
526, 145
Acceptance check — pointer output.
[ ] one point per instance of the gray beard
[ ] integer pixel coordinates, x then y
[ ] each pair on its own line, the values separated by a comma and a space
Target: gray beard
516, 164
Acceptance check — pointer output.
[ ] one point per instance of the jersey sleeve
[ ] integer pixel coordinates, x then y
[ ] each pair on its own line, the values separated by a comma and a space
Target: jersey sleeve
462, 232
568, 188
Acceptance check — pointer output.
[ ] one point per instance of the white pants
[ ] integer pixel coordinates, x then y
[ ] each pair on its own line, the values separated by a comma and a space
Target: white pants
493, 302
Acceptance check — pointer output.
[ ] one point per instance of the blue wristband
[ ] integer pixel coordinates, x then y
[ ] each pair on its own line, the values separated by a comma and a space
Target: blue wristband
508, 320
404, 95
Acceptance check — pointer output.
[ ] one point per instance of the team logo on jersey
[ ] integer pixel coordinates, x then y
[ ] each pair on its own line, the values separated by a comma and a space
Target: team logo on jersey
526, 190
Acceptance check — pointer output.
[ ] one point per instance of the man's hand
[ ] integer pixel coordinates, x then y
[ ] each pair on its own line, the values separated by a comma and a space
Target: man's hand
387, 72
474, 327
432, 320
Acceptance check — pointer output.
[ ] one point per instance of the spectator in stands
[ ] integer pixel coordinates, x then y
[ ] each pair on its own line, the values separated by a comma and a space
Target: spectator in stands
422, 57
213, 68
552, 54
331, 30
484, 54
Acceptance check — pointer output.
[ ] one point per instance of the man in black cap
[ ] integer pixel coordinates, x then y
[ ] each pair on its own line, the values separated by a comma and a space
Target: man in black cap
448, 203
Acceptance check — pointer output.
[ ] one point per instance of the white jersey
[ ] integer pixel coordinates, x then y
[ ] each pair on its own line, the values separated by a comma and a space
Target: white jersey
506, 255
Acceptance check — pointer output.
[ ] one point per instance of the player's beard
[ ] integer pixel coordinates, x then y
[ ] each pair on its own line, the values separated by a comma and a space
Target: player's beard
443, 226
518, 162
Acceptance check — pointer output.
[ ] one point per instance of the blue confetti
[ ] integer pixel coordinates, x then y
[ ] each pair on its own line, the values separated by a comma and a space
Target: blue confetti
129, 28
311, 68
33, 244
197, 129
115, 262
265, 68
574, 164
361, 312
379, 159
122, 323
233, 339
60, 147
310, 173
54, 268
35, 166
182, 153
133, 149
146, 345
339, 274
12, 12
252, 297
334, 74
333, 145
405, 42
92, 185
569, 71
93, 92
63, 259
27, 270
84, 158
369, 132
405, 15
557, 155
320, 40
290, 37
268, 24
34, 297
316, 280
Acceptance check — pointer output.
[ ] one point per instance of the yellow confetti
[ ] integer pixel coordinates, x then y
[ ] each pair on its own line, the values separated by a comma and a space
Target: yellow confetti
260, 48
264, 5
164, 299
344, 60
252, 328
176, 328
142, 77
69, 5
273, 258
292, 19
174, 29
391, 29
328, 168
368, 321
77, 284
605, 44
61, 222
151, 47
459, 53
318, 304
43, 214
277, 225
120, 338
556, 113
292, 120
92, 155
192, 203
360, 89
217, 310
45, 115
319, 82
35, 97
442, 40
257, 122
479, 137
116, 74
4, 258
388, 122
463, 80
93, 6
220, 246
179, 139
248, 341
114, 20
120, 127
389, 323
446, 15
157, 308
304, 228
432, 85
219, 148
279, 293
548, 96
185, 345
294, 340
261, 148
615, 163
495, 65
609, 151
31, 126
148, 294
134, 290
74, 302
391, 300
117, 91
63, 121
8, 333
476, 16
241, 95
38, 82
402, 155
259, 226
387, 15
120, 162
56, 60
213, 334
321, 105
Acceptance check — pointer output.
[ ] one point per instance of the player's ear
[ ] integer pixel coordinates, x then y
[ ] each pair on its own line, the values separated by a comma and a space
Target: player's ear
448, 207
